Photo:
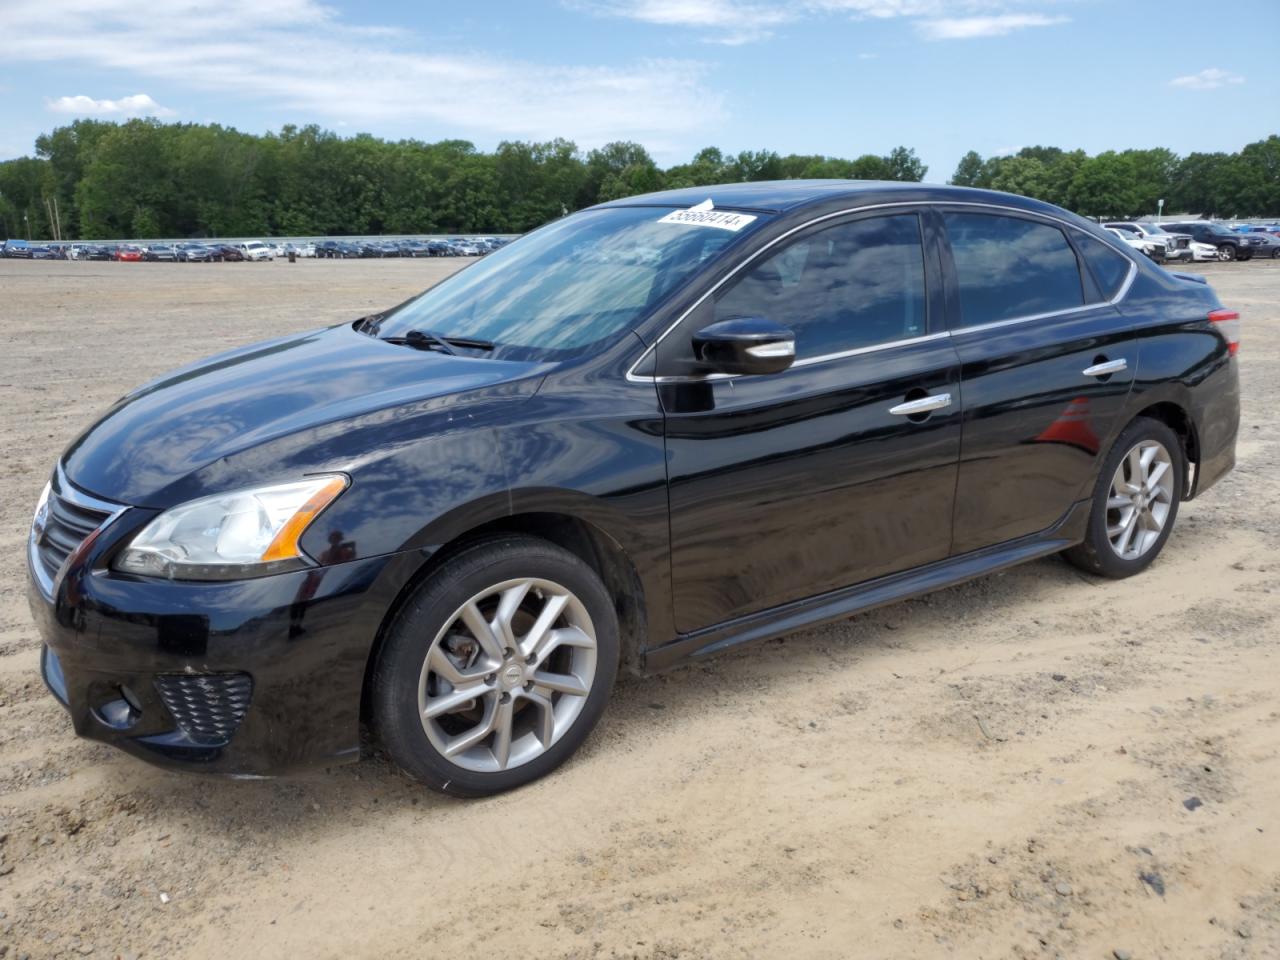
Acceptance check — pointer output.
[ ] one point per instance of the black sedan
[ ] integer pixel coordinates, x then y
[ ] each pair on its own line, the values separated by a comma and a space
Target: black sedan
643, 434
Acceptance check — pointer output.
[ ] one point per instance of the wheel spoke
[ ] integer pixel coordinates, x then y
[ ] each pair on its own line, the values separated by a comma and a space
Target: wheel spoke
563, 637
455, 698
465, 741
481, 629
502, 717
550, 613
1159, 514
1127, 534
508, 607
1135, 468
560, 683
440, 663
1154, 474
1119, 502
545, 727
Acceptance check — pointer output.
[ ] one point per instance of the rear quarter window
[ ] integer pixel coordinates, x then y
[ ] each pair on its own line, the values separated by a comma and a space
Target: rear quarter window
1008, 268
1109, 266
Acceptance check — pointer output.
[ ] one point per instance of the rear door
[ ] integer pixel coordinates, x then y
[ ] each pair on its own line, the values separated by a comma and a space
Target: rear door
1046, 367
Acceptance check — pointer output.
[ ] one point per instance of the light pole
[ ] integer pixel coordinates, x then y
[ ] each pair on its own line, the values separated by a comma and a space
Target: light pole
28, 223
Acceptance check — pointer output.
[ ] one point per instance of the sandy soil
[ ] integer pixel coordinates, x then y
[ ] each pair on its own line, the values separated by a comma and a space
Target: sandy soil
1004, 769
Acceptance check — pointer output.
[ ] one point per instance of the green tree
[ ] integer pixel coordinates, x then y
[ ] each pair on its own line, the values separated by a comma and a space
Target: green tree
968, 171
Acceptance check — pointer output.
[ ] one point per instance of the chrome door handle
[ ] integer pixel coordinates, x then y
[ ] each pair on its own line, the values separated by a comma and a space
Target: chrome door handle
935, 402
1104, 369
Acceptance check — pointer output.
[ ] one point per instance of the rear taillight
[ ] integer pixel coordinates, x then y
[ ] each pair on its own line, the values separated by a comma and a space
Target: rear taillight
1228, 324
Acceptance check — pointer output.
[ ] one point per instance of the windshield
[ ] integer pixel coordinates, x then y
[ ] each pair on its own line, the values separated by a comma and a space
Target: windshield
1156, 229
568, 286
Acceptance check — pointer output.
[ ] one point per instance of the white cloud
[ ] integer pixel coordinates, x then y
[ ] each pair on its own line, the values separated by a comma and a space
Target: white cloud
300, 57
720, 21
968, 28
138, 105
1210, 79
744, 21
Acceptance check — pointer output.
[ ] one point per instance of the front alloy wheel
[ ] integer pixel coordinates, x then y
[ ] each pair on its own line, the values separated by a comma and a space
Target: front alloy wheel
507, 675
496, 667
1226, 252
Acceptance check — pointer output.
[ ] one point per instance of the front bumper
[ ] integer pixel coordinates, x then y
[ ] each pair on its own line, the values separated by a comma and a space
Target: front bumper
247, 678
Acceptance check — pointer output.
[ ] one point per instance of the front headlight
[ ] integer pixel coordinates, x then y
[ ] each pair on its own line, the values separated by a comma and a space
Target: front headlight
247, 533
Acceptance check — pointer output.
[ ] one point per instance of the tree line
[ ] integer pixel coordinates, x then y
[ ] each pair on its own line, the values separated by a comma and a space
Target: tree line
1129, 183
94, 179
97, 179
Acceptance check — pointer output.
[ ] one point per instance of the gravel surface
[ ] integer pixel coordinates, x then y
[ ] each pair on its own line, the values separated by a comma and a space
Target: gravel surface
1003, 769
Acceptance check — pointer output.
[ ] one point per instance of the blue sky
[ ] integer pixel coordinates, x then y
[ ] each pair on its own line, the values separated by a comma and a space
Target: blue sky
837, 77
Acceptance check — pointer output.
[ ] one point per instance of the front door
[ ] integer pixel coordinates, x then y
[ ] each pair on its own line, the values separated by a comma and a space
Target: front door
838, 470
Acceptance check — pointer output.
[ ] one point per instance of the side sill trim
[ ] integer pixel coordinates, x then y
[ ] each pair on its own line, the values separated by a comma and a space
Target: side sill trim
844, 603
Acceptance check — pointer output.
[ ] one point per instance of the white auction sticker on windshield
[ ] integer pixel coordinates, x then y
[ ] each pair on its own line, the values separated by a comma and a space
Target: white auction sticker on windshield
709, 218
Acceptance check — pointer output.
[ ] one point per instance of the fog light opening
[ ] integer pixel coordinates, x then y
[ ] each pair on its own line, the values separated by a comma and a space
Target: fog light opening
118, 708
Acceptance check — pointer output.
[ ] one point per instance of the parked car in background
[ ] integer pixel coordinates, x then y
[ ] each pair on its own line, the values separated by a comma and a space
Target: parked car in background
157, 252
1142, 245
229, 252
337, 250
1145, 246
650, 431
193, 253
1177, 245
41, 251
1270, 246
129, 253
255, 250
96, 251
1229, 244
16, 250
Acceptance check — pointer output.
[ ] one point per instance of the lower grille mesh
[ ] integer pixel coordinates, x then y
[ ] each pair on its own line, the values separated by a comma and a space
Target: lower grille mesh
207, 707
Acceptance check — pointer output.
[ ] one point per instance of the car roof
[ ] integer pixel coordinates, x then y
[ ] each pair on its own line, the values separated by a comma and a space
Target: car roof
780, 196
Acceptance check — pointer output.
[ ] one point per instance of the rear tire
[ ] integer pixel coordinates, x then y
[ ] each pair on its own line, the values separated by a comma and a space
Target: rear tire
497, 667
1135, 502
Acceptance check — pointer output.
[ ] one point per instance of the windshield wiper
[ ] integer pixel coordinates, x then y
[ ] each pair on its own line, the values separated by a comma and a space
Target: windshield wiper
426, 340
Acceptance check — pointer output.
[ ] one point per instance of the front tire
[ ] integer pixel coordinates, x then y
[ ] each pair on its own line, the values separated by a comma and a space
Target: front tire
1226, 252
1135, 502
497, 667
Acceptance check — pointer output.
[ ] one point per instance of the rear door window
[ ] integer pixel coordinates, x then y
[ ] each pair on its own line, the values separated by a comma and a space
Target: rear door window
1110, 267
1009, 268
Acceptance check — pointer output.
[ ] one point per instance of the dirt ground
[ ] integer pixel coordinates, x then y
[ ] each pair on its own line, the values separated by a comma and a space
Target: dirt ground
1003, 769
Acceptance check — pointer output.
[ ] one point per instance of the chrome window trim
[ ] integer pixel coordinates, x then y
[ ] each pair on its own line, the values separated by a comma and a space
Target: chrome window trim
633, 377
874, 348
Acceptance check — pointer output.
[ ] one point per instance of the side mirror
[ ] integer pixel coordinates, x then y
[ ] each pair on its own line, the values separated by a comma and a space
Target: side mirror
745, 345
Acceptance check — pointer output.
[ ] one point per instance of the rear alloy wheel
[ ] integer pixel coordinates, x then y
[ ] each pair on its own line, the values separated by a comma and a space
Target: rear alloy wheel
1140, 499
1226, 252
1135, 502
497, 668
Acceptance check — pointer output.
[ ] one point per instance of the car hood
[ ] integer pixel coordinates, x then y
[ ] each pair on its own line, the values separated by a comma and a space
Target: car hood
281, 408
